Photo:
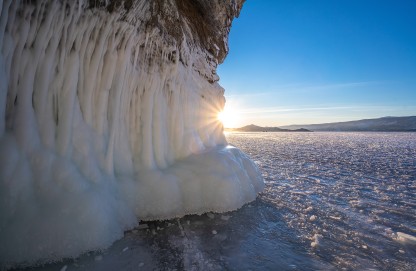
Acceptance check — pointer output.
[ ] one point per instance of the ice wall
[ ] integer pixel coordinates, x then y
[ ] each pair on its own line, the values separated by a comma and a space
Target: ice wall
107, 117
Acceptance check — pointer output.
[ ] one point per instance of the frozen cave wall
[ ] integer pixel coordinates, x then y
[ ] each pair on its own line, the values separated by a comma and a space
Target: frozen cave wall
107, 117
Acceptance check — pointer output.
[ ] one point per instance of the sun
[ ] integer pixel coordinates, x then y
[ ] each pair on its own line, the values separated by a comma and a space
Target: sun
228, 117
221, 116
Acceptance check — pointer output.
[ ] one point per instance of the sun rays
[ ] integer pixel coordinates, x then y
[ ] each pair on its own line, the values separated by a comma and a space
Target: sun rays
229, 117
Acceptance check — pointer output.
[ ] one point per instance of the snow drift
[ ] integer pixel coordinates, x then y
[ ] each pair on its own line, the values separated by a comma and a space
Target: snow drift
108, 116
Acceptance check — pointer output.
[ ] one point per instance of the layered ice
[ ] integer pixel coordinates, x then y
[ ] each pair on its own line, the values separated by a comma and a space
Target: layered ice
103, 123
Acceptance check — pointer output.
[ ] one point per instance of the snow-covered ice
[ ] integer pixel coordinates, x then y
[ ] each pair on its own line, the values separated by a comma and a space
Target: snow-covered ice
350, 197
369, 172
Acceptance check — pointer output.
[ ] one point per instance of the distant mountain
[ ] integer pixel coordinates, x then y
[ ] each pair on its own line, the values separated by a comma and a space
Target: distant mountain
255, 128
385, 124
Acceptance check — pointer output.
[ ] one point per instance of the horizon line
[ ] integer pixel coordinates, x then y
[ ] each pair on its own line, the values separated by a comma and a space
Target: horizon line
321, 123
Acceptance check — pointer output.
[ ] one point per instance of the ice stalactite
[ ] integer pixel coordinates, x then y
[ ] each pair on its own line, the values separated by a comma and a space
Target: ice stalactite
105, 120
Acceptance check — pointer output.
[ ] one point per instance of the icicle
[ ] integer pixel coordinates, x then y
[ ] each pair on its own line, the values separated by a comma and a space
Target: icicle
101, 124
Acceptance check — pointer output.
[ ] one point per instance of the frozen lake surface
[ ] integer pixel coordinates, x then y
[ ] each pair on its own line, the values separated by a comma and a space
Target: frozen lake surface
333, 201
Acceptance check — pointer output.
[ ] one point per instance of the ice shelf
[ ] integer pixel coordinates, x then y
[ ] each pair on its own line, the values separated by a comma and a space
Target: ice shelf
105, 121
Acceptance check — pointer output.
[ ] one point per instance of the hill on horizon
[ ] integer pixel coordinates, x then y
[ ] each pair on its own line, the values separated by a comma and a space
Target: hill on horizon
255, 128
384, 124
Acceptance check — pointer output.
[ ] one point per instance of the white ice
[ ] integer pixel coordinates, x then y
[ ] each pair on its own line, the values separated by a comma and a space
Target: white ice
101, 125
406, 238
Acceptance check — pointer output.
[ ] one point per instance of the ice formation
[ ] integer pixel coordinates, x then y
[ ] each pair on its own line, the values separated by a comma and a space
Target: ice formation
107, 117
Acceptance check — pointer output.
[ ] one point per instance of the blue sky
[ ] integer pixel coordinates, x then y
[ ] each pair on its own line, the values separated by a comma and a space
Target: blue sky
299, 62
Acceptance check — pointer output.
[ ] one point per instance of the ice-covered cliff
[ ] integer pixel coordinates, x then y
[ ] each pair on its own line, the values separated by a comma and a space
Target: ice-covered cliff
108, 115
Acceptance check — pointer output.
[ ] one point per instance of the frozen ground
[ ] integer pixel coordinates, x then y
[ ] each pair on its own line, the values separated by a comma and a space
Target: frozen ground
333, 201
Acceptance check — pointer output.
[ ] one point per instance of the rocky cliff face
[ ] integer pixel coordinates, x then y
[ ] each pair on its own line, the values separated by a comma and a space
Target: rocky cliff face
108, 116
201, 25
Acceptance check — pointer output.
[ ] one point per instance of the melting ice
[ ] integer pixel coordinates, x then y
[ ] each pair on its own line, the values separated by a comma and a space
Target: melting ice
101, 124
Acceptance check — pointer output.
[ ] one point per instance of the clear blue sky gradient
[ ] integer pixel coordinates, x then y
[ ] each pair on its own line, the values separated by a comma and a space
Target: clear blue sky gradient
310, 61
